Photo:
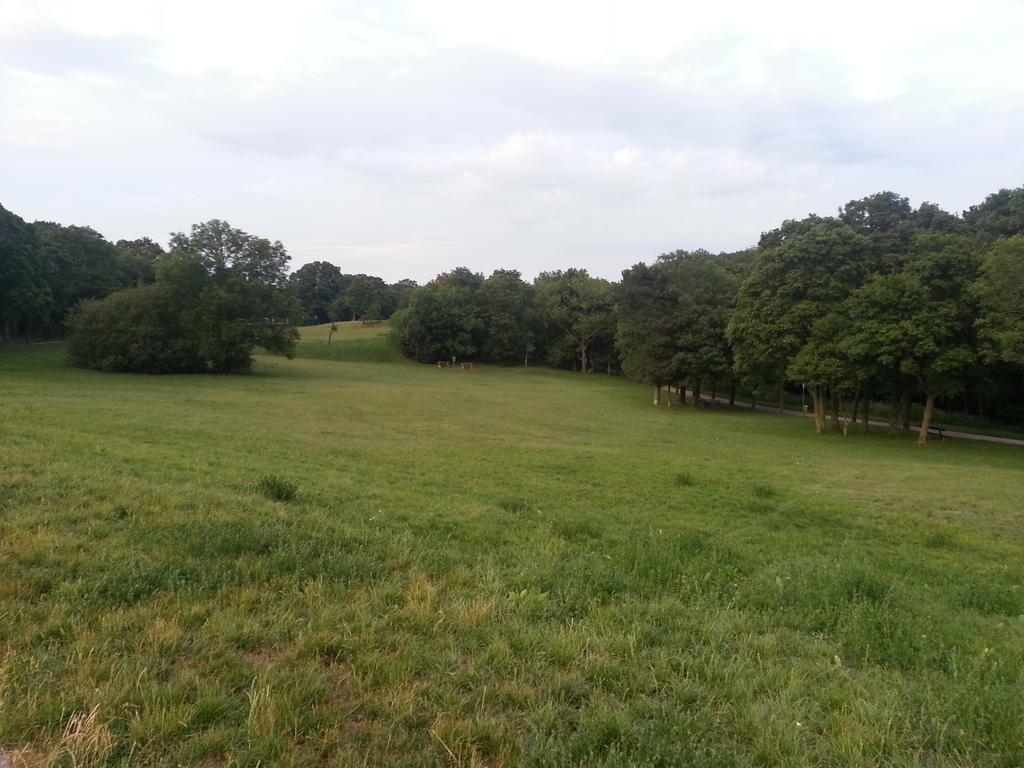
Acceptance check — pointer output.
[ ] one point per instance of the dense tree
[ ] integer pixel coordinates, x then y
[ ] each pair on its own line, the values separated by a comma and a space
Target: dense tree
25, 297
645, 334
317, 286
364, 298
137, 260
444, 319
1000, 215
911, 333
880, 212
931, 217
803, 269
889, 223
704, 287
1000, 292
576, 310
509, 318
400, 293
80, 264
219, 294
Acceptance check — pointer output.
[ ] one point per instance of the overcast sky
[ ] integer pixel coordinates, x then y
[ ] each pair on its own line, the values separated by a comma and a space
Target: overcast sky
405, 138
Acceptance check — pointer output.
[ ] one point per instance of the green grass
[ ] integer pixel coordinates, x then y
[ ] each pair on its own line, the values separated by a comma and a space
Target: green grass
353, 342
496, 567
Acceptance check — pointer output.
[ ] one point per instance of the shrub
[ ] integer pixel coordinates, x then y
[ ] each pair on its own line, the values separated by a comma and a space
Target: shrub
134, 330
219, 294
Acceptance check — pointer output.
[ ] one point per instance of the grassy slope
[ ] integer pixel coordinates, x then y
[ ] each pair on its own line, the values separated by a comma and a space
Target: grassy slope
352, 342
493, 567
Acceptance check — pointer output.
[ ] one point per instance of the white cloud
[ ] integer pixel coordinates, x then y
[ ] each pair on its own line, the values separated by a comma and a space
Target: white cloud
404, 138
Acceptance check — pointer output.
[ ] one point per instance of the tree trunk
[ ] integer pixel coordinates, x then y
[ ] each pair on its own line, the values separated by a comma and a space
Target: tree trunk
608, 369
584, 363
856, 408
753, 401
696, 393
867, 414
732, 392
714, 389
657, 395
835, 413
905, 405
818, 401
782, 396
682, 394
926, 420
668, 396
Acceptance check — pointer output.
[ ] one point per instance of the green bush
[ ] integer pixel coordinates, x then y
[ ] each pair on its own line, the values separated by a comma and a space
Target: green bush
134, 330
211, 306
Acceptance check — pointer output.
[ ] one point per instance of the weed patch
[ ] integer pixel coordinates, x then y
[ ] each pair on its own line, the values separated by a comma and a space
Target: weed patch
276, 488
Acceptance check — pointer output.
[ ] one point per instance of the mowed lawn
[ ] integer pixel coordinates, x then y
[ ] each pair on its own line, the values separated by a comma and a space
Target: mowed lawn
492, 568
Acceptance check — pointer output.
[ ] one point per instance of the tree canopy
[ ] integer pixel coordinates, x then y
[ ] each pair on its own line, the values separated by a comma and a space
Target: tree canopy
219, 293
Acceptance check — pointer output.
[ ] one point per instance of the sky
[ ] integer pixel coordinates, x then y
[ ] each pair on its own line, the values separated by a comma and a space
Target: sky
403, 139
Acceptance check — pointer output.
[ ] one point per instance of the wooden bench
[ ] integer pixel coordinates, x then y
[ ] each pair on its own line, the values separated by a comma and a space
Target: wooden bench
467, 366
938, 431
442, 363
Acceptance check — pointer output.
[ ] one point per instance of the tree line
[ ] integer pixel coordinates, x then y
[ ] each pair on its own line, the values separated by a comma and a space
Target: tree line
47, 269
326, 294
203, 305
882, 302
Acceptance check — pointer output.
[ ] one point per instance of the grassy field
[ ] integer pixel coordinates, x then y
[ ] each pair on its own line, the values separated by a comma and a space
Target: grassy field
352, 342
489, 568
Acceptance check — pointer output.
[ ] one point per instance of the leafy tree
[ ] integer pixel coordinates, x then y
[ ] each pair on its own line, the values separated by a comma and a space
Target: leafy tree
365, 298
918, 323
80, 263
803, 269
317, 286
220, 293
1000, 292
400, 294
705, 288
645, 334
444, 319
577, 312
1000, 215
880, 212
25, 297
930, 217
508, 315
137, 260
831, 361
888, 221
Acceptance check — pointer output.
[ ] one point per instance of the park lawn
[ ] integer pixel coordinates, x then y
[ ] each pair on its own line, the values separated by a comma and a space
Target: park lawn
490, 567
352, 342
